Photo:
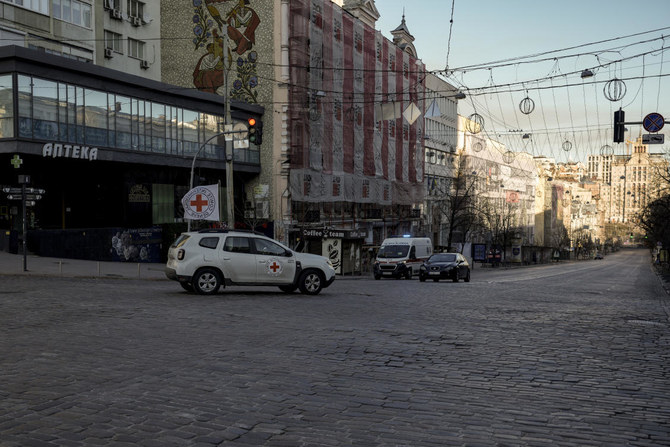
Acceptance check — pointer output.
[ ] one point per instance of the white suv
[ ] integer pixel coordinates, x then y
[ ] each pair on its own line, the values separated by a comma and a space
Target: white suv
203, 261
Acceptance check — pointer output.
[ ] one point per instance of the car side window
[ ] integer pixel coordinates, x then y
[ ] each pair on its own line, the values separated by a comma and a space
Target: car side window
237, 245
209, 242
266, 247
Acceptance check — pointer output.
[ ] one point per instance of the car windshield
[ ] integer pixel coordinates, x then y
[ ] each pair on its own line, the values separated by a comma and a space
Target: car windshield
393, 251
448, 257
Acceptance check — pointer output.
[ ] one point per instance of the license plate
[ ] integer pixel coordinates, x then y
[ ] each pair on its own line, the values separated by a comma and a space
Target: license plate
434, 273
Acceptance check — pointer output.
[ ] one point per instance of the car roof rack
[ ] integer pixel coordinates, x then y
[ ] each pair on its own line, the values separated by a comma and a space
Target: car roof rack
228, 230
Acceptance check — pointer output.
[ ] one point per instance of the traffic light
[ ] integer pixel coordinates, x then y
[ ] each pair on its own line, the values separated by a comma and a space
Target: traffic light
251, 122
259, 132
618, 126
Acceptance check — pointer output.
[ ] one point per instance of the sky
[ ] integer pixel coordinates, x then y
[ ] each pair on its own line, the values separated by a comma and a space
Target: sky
569, 117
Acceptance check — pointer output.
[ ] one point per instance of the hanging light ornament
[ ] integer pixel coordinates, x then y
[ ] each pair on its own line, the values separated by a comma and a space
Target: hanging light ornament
475, 123
527, 106
567, 146
615, 89
606, 150
508, 157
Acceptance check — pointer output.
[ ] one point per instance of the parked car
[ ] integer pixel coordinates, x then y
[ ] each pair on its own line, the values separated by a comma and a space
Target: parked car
204, 261
452, 266
598, 256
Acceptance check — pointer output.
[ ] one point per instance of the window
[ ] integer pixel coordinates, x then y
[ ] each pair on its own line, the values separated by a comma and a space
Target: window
6, 107
209, 242
41, 6
136, 49
113, 41
237, 245
50, 110
135, 8
72, 11
266, 247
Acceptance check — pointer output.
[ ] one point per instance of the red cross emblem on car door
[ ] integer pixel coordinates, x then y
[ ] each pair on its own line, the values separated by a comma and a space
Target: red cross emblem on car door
274, 267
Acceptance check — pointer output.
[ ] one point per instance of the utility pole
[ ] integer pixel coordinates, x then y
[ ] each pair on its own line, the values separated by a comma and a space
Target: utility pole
230, 196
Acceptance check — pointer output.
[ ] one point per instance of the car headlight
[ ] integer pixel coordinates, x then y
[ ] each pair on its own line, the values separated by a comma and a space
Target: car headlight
423, 267
330, 264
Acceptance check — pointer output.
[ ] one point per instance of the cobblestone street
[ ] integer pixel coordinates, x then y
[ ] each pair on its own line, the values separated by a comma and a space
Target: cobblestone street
570, 354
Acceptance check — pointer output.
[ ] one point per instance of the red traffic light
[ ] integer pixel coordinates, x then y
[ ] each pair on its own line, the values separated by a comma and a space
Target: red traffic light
251, 121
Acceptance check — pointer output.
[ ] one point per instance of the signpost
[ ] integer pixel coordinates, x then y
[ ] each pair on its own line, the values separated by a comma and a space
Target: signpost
28, 197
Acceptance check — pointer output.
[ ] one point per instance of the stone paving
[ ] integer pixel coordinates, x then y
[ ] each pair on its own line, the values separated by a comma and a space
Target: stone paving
572, 355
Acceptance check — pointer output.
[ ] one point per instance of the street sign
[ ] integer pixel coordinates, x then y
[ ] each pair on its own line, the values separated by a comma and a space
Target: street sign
653, 138
20, 190
653, 122
28, 197
241, 144
240, 131
236, 132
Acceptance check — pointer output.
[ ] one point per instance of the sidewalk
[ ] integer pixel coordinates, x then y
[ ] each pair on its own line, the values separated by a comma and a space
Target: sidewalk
11, 264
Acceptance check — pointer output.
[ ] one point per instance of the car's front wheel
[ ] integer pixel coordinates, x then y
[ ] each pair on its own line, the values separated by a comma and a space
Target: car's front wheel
422, 278
456, 276
311, 282
467, 277
206, 281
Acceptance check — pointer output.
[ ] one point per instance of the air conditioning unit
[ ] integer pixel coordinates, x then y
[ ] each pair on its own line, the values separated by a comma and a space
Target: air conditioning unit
262, 210
109, 53
115, 14
144, 64
136, 21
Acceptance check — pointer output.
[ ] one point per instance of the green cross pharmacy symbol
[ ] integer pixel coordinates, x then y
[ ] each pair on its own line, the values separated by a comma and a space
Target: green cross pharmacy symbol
16, 162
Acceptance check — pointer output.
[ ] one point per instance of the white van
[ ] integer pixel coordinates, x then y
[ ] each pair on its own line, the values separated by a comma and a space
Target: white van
402, 256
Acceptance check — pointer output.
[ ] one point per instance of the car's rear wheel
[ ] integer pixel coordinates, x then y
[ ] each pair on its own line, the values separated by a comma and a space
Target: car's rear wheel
311, 282
186, 285
206, 281
288, 289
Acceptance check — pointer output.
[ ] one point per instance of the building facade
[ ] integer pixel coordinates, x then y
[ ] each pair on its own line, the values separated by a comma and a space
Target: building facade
112, 151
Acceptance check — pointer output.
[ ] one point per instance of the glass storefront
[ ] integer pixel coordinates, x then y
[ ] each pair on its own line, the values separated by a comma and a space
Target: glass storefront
56, 111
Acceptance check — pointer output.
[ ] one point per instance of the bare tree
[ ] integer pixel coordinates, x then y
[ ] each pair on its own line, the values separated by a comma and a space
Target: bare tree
454, 203
501, 220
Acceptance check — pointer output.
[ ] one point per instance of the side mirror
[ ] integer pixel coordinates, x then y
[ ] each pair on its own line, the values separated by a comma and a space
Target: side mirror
288, 254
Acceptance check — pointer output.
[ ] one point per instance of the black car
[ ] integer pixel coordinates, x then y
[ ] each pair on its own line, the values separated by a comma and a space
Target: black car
452, 266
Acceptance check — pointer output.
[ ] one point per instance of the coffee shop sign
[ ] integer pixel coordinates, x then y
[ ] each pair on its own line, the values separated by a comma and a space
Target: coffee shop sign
69, 151
335, 234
